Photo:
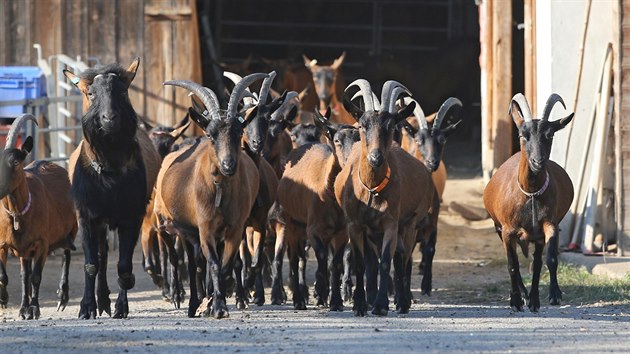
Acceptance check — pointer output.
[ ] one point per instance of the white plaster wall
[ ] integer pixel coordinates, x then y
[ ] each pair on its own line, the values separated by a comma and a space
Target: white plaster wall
559, 27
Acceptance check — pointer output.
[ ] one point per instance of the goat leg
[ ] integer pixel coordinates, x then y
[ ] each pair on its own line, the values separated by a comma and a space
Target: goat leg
241, 300
36, 280
370, 261
102, 288
163, 261
321, 283
194, 301
175, 288
428, 252
336, 268
516, 301
346, 289
25, 275
360, 305
381, 303
555, 294
4, 279
294, 247
89, 234
128, 237
277, 289
62, 292
534, 299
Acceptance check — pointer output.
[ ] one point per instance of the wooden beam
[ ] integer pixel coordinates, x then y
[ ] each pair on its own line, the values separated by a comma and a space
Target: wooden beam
485, 60
501, 80
530, 53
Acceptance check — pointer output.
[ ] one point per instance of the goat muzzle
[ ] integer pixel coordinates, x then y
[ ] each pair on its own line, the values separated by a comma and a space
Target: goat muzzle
228, 166
375, 158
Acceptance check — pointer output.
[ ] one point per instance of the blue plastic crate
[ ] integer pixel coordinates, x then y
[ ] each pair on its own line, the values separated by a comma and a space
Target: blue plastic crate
17, 83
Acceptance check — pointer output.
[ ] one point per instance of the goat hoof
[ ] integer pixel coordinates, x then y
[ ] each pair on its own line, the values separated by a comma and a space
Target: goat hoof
259, 300
87, 309
336, 306
122, 305
104, 305
555, 295
299, 304
241, 305
62, 294
360, 310
277, 301
219, 310
24, 312
380, 311
304, 290
193, 305
33, 312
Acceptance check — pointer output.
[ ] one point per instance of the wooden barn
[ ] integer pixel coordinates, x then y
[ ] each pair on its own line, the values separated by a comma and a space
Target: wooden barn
482, 51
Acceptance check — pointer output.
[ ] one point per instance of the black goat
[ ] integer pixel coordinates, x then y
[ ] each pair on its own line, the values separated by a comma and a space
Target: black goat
112, 172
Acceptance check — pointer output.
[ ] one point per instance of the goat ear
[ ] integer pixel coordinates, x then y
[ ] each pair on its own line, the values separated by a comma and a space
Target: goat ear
409, 128
291, 116
179, 131
77, 81
199, 119
322, 123
27, 146
355, 111
309, 63
516, 114
337, 63
182, 122
450, 129
276, 103
131, 71
405, 112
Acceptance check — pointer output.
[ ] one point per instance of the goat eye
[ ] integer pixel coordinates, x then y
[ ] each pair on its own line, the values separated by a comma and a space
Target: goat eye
16, 162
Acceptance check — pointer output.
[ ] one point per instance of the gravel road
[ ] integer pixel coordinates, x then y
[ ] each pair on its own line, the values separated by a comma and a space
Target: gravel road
453, 319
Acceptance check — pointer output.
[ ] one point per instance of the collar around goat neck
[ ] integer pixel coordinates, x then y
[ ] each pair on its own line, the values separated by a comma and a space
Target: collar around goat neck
538, 192
376, 190
14, 214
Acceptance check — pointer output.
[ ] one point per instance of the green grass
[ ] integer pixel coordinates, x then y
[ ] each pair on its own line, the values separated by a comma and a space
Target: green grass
578, 286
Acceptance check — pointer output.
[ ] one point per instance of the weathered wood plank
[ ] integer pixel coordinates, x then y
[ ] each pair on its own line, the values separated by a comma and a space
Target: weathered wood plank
47, 28
130, 44
101, 36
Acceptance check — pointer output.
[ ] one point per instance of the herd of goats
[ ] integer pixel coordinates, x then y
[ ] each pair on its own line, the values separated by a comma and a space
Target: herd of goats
362, 184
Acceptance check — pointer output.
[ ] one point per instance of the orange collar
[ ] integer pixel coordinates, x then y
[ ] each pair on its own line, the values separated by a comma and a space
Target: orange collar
376, 190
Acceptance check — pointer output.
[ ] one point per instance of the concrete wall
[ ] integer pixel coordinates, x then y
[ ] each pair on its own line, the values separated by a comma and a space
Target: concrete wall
559, 27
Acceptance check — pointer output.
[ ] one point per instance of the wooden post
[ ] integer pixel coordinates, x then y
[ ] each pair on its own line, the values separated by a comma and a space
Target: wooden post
530, 53
485, 61
501, 81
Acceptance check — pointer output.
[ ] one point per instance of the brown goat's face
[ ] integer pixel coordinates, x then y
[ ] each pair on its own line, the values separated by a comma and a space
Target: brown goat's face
344, 139
324, 78
377, 132
225, 136
12, 167
536, 138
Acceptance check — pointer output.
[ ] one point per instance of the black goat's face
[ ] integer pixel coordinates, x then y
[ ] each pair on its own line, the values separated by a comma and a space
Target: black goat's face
536, 138
344, 139
431, 144
162, 140
258, 124
303, 134
225, 136
12, 167
106, 103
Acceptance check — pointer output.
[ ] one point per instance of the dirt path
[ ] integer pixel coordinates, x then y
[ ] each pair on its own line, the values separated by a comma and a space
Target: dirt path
467, 312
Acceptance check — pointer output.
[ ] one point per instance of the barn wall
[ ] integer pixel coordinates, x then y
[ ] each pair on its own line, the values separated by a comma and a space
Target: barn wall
162, 32
559, 26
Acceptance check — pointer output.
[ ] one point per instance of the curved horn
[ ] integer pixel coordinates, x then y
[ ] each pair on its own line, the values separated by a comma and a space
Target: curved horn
521, 101
236, 78
443, 111
551, 101
418, 113
207, 96
290, 101
366, 93
237, 92
386, 93
377, 104
18, 123
266, 86
397, 91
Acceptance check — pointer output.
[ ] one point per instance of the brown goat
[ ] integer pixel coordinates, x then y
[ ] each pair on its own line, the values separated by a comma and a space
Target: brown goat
325, 81
309, 211
527, 197
205, 193
37, 218
386, 195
